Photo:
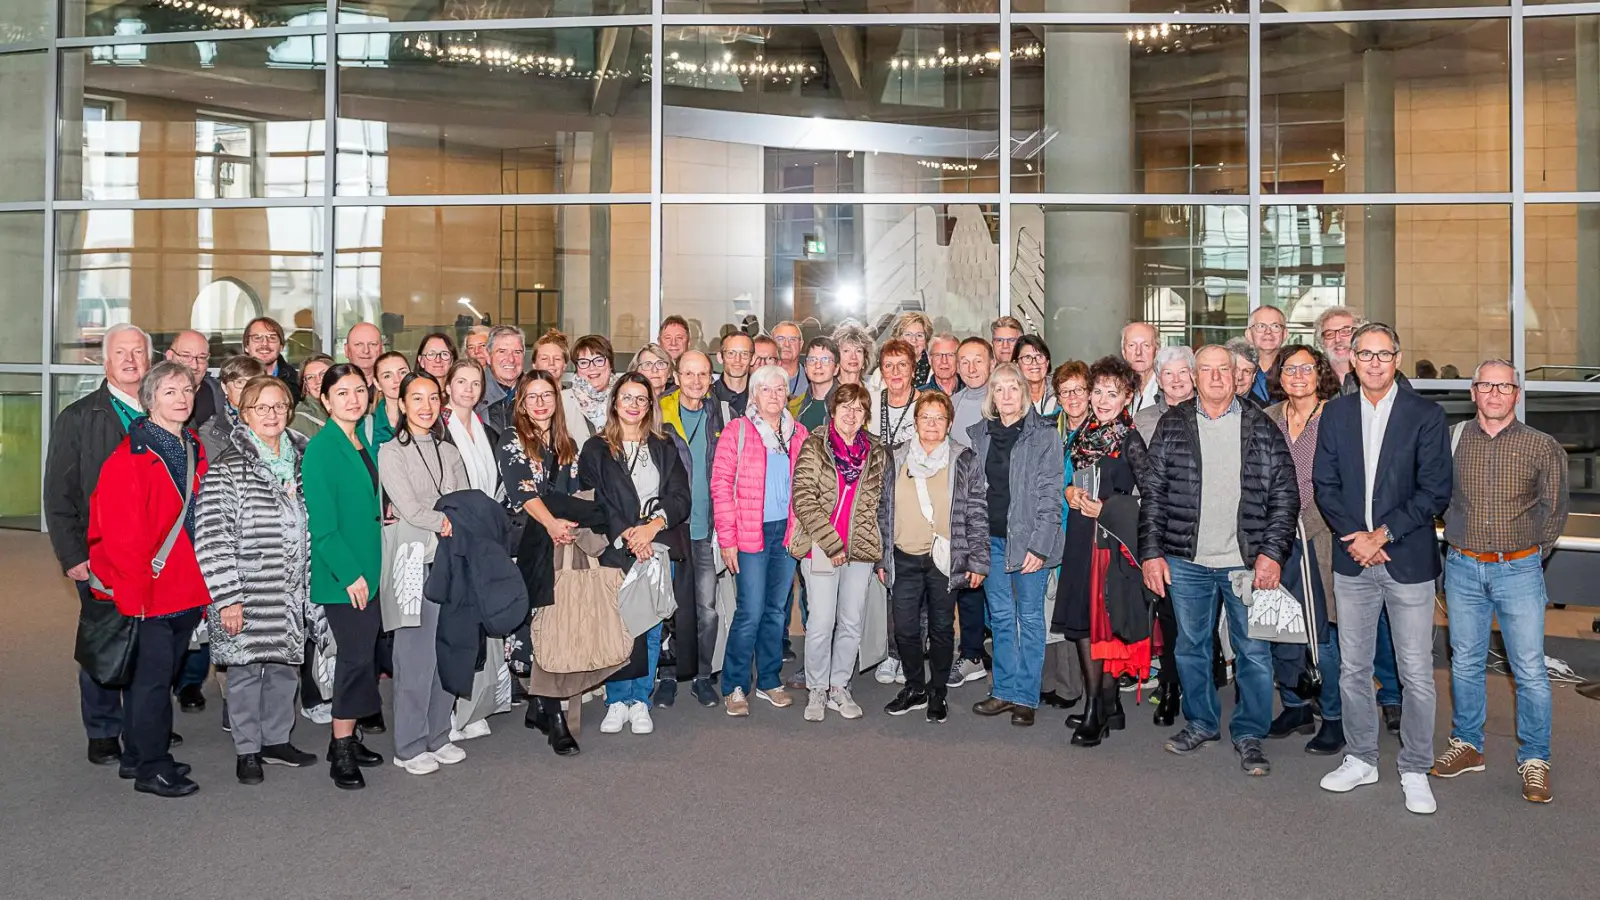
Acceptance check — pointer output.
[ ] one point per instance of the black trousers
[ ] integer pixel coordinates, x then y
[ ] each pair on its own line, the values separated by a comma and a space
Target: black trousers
919, 587
971, 602
1168, 623
148, 714
355, 667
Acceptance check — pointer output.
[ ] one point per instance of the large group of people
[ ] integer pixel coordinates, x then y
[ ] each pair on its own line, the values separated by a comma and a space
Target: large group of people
497, 525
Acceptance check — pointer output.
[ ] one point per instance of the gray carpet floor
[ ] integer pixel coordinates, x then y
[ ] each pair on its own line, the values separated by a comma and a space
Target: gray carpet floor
768, 807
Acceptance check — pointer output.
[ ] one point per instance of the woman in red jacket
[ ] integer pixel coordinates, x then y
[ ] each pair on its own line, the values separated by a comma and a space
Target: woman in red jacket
135, 506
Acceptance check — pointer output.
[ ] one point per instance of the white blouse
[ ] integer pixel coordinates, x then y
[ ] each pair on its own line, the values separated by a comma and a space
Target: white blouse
477, 453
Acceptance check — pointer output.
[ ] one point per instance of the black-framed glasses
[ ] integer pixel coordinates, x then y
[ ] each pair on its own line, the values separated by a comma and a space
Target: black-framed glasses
1383, 356
1074, 392
1331, 333
435, 355
593, 362
263, 409
1031, 359
1498, 387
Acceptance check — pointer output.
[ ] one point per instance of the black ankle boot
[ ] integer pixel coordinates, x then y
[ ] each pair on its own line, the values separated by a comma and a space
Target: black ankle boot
1093, 725
561, 739
1168, 699
1116, 719
342, 766
537, 717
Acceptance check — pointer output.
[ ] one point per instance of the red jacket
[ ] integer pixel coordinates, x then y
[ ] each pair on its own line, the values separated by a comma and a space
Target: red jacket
131, 511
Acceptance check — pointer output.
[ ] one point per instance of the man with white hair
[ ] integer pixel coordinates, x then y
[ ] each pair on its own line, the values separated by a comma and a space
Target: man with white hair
82, 439
1139, 344
942, 373
1508, 505
508, 353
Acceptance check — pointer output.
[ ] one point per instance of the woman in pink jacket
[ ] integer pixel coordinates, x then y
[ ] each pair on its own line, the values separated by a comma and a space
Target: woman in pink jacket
750, 486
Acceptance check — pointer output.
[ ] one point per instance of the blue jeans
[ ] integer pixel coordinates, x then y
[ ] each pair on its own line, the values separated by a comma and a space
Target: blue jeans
1384, 667
756, 633
1477, 593
637, 690
1194, 591
1016, 616
1289, 660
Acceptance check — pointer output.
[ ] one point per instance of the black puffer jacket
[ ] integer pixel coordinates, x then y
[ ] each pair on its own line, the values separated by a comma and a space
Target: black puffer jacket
1269, 496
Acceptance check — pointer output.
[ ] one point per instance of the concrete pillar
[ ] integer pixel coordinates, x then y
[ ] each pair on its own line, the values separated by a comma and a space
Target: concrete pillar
1377, 167
1088, 254
1588, 101
599, 229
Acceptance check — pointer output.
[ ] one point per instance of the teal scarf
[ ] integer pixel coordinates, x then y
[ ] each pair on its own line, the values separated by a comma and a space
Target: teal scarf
280, 464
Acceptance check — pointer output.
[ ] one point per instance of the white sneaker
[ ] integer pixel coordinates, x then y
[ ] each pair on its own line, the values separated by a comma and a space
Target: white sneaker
421, 764
1419, 796
616, 717
639, 721
476, 729
816, 704
839, 699
887, 670
449, 754
1351, 774
321, 714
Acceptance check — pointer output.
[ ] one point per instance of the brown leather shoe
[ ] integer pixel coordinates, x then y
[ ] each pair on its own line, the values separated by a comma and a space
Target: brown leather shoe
1022, 716
992, 706
1459, 759
1535, 781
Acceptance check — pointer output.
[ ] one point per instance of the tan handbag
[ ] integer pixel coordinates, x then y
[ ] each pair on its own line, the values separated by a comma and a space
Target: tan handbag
583, 630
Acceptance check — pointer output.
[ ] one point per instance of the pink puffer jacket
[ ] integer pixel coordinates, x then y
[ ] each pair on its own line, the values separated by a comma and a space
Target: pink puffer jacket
737, 514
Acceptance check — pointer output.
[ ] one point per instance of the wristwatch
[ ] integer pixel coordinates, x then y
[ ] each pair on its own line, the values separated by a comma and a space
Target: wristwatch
1388, 536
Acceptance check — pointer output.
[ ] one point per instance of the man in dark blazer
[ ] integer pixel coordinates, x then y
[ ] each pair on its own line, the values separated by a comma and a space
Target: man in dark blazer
1382, 473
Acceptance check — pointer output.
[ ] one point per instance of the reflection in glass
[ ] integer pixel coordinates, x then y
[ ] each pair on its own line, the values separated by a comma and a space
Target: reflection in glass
24, 20
213, 119
21, 450
1213, 7
1441, 275
845, 109
416, 269
1561, 63
1386, 106
24, 79
358, 11
22, 288
1130, 109
1079, 273
833, 7
755, 266
91, 18
1561, 319
166, 270
557, 110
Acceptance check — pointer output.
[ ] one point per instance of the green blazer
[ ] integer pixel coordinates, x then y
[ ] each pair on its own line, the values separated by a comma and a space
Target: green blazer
344, 513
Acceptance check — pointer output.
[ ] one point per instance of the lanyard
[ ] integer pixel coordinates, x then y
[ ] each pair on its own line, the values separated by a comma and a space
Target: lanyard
438, 483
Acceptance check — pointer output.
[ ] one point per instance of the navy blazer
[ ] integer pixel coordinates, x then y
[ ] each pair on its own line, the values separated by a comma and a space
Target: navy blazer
1413, 482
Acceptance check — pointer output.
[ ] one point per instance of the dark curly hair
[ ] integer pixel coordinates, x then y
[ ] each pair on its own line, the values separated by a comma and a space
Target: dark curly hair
1327, 381
1115, 369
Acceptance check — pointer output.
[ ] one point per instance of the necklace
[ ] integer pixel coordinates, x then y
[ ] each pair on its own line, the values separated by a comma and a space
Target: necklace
891, 434
638, 451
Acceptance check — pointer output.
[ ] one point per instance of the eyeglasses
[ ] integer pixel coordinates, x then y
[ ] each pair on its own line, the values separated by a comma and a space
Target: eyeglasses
633, 400
898, 365
948, 354
435, 355
1074, 392
544, 397
1331, 333
737, 354
766, 360
1031, 359
263, 409
195, 358
593, 362
652, 365
1267, 328
914, 335
933, 419
786, 338
1005, 342
823, 360
264, 340
1498, 387
1305, 369
1383, 356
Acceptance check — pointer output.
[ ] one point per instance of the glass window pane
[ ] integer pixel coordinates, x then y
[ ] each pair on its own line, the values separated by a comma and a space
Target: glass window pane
24, 20
1562, 315
1573, 419
1130, 109
1136, 6
358, 11
836, 7
22, 288
1561, 111
166, 270
1387, 106
21, 446
754, 266
1079, 273
557, 110
1441, 275
90, 18
416, 269
212, 119
23, 109
842, 109
1363, 5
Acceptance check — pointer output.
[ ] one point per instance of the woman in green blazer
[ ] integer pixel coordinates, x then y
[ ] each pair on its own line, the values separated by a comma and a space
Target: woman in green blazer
344, 510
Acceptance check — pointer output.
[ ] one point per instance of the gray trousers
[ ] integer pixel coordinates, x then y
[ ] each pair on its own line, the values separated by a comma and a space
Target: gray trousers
705, 564
838, 602
1360, 600
261, 705
421, 706
1063, 671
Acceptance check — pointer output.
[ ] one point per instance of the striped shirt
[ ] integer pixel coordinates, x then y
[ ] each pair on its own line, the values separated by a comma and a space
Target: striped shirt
1510, 490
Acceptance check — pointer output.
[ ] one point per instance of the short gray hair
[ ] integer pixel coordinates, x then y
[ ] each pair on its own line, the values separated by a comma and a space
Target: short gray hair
160, 373
944, 336
123, 328
1241, 349
1516, 377
500, 331
479, 329
1174, 353
1002, 372
1330, 312
768, 375
1375, 328
850, 332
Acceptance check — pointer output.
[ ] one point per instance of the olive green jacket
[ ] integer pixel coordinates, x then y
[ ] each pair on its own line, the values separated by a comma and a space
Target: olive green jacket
816, 493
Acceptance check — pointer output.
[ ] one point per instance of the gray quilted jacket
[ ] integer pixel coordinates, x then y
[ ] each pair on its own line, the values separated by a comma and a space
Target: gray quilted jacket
969, 517
1038, 469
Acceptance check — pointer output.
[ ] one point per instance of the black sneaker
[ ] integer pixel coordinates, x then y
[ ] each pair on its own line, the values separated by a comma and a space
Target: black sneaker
1293, 720
938, 709
906, 701
248, 769
104, 751
191, 698
1251, 759
705, 693
1189, 740
1329, 739
1391, 719
666, 692
286, 754
129, 773
166, 786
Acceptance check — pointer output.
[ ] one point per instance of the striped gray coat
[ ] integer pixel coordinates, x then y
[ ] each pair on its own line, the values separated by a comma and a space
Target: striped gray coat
252, 544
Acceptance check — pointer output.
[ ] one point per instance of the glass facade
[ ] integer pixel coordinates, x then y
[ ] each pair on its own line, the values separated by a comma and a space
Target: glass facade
595, 165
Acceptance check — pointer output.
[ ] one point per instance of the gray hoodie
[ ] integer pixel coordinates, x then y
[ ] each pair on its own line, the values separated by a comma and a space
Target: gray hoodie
969, 410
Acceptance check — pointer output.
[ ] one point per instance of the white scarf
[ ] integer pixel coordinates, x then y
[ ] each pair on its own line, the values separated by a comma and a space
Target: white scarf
769, 437
922, 465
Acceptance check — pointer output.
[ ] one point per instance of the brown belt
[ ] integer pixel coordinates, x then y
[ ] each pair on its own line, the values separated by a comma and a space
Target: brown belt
1496, 557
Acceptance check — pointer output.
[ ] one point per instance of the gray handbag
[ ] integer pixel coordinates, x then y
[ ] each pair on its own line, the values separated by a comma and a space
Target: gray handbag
646, 597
